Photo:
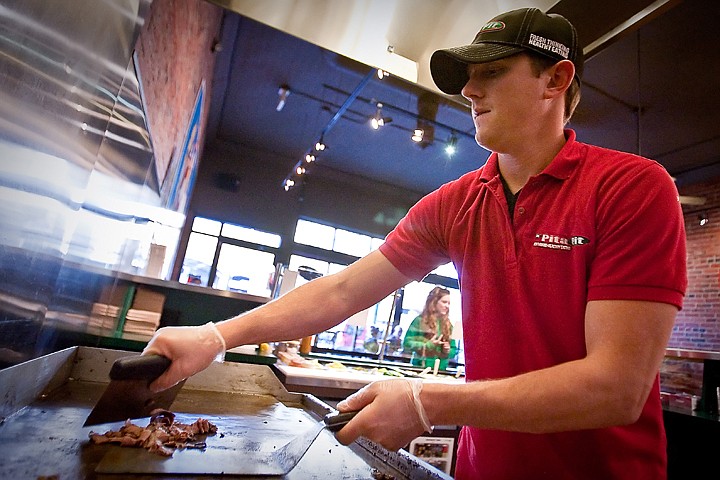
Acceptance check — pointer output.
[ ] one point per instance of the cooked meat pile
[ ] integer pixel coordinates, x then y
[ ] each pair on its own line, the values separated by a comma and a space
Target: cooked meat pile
161, 436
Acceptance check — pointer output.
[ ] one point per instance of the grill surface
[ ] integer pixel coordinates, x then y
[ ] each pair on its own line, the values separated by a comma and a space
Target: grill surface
46, 401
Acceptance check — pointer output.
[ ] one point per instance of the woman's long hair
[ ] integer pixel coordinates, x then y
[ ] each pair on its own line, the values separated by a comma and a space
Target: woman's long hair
430, 316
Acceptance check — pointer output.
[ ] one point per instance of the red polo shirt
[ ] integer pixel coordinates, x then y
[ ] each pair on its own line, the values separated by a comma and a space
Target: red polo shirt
595, 224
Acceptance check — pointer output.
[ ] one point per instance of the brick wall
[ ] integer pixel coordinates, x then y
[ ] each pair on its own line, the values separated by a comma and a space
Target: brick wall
697, 326
698, 323
175, 55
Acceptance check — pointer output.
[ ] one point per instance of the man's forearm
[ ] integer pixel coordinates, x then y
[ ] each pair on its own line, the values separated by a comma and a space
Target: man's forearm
303, 311
317, 305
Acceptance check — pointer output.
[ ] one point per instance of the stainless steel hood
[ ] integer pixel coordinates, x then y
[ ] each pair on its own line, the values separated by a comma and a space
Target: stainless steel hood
395, 35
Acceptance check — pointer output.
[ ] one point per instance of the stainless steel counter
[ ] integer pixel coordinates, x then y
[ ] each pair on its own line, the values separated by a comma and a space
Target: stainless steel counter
709, 400
684, 353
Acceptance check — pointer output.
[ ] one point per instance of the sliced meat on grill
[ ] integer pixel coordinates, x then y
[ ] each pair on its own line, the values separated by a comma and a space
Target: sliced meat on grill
162, 435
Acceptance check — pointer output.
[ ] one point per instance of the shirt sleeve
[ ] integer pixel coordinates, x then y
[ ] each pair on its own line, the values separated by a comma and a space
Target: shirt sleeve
641, 253
417, 245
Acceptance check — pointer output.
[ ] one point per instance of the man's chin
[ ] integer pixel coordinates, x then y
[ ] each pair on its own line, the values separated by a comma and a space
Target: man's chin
483, 142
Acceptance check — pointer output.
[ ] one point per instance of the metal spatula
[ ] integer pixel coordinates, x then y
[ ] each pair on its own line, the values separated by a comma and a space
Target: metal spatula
127, 395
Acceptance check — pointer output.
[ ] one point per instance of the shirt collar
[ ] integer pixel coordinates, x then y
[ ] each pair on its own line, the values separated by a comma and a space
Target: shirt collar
561, 166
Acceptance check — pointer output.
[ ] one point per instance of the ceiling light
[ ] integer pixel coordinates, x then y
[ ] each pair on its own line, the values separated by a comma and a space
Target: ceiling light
309, 158
377, 121
283, 93
320, 146
382, 73
288, 184
418, 135
300, 170
451, 146
703, 219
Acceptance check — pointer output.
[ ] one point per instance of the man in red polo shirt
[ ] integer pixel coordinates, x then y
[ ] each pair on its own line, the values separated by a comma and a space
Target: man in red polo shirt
571, 261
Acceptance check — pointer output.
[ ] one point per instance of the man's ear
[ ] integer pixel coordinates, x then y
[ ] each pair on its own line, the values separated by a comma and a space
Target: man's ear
561, 76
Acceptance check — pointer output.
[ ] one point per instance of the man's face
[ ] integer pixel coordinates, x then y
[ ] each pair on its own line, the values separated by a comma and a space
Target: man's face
506, 97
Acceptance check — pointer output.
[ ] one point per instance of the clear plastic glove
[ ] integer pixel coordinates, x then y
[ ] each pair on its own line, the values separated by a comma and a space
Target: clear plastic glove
391, 413
191, 349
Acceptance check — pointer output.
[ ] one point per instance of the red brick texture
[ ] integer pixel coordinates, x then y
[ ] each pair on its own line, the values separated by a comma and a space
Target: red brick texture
174, 56
697, 325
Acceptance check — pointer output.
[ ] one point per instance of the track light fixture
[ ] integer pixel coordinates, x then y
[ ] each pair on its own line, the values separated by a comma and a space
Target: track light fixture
451, 146
703, 219
320, 146
378, 120
423, 134
283, 93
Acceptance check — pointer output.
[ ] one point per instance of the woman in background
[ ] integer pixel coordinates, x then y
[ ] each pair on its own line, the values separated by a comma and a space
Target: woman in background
429, 336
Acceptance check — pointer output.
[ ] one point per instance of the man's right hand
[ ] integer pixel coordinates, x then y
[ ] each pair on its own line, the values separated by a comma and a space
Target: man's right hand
191, 349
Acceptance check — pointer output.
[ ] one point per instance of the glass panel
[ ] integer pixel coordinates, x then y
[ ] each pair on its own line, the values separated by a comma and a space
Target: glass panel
447, 270
155, 255
198, 259
245, 270
336, 267
351, 243
378, 317
205, 225
414, 297
314, 234
251, 235
297, 261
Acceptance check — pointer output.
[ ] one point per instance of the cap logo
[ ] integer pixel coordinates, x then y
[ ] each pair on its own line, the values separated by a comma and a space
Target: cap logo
549, 45
492, 27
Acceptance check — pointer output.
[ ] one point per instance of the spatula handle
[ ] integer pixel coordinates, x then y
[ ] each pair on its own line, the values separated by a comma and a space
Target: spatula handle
336, 421
139, 367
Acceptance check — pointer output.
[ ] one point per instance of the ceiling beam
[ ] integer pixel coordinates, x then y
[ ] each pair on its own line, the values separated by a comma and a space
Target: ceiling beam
599, 24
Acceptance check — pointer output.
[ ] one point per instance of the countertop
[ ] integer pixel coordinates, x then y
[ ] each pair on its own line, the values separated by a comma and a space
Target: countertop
338, 383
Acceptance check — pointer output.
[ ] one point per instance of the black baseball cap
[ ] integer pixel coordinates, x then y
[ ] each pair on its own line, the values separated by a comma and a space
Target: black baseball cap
509, 33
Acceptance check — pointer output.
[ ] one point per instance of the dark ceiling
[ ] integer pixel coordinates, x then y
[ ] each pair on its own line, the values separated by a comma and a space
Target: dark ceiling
652, 91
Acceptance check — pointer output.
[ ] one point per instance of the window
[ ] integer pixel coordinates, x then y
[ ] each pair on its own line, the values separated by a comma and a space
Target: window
198, 259
251, 235
314, 234
334, 239
243, 259
447, 270
334, 248
245, 270
205, 225
414, 297
351, 243
297, 261
230, 257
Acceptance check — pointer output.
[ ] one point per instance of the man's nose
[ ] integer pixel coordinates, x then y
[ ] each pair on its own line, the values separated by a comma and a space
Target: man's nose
471, 89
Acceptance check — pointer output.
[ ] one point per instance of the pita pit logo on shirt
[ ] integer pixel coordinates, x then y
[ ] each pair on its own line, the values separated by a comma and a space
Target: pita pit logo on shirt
556, 242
